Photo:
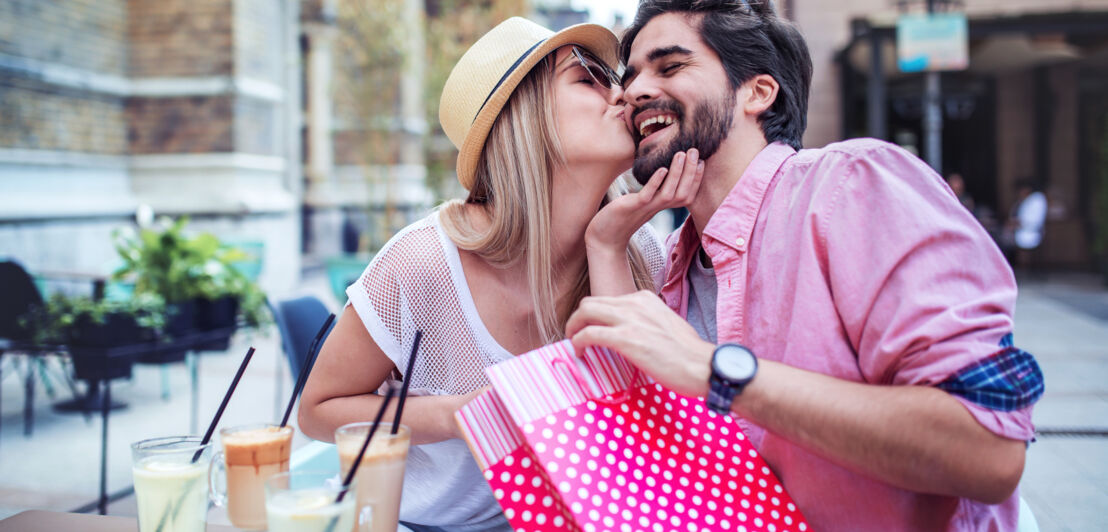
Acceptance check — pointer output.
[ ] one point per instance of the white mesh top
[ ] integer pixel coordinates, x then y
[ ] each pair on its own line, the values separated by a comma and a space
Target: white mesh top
416, 282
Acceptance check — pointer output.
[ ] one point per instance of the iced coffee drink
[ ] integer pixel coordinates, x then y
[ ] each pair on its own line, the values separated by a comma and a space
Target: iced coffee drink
251, 455
171, 488
380, 476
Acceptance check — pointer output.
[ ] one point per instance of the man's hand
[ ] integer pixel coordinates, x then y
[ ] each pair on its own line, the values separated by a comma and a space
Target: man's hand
652, 337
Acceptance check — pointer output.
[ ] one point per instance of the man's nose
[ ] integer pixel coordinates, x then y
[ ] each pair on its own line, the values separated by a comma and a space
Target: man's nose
639, 90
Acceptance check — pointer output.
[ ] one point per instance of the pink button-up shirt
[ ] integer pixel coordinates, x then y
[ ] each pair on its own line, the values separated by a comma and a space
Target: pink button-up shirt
858, 262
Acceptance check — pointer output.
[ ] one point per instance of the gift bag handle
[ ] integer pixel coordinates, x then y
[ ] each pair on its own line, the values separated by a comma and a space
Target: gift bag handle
588, 386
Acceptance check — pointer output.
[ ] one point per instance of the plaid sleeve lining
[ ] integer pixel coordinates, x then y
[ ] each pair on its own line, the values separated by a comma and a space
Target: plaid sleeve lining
1007, 380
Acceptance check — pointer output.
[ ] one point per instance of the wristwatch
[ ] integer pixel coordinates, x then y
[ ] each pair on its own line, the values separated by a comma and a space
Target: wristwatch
733, 367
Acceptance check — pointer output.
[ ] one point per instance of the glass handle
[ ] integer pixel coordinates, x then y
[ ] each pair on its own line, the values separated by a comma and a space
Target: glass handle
217, 481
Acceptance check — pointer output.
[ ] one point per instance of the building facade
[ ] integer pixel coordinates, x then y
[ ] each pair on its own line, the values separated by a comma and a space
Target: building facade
188, 107
1031, 104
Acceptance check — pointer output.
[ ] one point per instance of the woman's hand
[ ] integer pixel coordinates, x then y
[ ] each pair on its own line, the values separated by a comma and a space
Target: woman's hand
611, 229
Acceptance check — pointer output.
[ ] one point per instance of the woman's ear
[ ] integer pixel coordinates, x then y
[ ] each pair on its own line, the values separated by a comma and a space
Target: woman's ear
759, 94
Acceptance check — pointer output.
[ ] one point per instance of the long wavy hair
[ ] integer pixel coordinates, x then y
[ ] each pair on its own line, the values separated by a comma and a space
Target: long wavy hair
514, 185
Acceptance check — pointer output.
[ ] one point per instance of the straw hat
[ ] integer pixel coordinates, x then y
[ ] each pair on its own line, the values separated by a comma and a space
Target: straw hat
491, 69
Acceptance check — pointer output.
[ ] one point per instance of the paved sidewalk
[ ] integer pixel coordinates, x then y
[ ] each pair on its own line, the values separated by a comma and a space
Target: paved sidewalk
1063, 321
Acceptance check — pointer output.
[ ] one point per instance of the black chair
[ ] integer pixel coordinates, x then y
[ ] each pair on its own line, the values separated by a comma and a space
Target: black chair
21, 297
298, 320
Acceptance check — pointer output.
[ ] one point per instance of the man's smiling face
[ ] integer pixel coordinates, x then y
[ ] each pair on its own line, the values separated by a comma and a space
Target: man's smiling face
677, 93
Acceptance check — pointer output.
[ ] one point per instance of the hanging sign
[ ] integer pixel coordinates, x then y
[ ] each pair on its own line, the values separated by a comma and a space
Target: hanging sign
929, 42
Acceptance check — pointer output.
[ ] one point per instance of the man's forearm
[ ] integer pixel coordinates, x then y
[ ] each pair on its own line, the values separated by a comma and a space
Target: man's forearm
915, 437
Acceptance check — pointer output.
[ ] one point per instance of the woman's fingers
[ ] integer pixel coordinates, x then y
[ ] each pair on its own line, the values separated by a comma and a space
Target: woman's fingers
686, 192
651, 187
676, 168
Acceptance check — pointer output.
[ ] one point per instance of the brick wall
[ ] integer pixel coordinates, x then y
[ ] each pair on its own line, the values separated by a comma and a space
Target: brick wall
180, 125
35, 115
180, 37
354, 147
86, 34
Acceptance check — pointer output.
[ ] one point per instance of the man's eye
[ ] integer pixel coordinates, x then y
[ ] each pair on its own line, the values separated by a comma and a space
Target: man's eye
671, 68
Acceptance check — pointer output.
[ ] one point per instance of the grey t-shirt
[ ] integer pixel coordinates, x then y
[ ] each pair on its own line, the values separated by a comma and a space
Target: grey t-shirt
702, 300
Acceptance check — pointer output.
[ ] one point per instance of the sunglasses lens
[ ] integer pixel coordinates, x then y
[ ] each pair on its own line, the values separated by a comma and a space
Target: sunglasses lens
600, 76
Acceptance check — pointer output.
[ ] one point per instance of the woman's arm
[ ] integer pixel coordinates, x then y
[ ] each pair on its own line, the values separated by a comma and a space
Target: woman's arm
340, 390
611, 229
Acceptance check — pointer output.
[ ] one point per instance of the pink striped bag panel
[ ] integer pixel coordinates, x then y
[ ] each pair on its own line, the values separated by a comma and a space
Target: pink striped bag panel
519, 484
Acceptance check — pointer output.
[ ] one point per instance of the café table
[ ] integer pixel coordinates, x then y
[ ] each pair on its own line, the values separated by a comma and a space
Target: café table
45, 521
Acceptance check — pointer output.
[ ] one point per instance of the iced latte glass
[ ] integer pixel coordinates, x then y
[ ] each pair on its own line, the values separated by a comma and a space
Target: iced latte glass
251, 454
381, 474
306, 501
171, 489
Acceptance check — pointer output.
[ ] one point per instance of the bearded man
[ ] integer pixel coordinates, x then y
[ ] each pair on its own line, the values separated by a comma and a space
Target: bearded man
839, 302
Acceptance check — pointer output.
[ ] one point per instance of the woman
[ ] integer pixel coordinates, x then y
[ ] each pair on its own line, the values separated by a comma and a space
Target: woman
538, 120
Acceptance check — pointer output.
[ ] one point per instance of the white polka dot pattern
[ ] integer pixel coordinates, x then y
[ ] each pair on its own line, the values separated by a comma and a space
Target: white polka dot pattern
639, 458
699, 479
529, 499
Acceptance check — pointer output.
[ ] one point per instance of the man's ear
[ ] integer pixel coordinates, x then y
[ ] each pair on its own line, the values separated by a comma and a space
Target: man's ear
758, 94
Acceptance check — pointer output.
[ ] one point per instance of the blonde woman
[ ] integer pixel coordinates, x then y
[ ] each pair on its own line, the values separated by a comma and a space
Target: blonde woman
538, 121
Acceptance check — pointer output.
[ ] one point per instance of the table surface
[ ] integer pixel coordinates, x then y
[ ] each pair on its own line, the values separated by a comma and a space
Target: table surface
44, 521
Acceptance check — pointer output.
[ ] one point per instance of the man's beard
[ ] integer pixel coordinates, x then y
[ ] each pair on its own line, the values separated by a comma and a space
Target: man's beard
705, 130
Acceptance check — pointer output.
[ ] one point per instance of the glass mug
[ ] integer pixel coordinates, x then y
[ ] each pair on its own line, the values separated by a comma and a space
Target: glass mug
251, 455
170, 487
305, 501
380, 475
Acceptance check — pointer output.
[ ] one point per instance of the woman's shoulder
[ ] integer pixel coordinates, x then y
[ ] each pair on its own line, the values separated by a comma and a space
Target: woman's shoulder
414, 257
419, 241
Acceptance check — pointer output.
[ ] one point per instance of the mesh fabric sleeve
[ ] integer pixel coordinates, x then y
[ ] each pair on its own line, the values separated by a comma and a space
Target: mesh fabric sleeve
650, 246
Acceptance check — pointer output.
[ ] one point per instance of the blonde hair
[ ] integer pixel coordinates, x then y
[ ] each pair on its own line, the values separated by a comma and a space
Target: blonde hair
513, 186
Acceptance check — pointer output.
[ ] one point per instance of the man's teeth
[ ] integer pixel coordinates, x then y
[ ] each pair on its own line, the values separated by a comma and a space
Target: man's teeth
664, 120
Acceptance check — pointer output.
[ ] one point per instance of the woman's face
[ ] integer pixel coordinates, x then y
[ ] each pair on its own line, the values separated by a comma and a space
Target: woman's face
589, 115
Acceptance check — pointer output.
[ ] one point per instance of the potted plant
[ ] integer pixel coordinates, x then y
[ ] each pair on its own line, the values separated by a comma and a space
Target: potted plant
164, 263
196, 277
92, 328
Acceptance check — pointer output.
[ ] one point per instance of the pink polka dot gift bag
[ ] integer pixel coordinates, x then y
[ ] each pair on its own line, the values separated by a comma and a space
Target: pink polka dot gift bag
590, 443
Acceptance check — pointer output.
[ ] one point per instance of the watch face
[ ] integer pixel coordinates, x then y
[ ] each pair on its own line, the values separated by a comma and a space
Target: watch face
735, 363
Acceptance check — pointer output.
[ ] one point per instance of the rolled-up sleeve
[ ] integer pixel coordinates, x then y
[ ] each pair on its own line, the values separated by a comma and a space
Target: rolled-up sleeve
921, 289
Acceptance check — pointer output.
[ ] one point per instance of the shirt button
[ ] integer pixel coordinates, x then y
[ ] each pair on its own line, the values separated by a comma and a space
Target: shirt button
740, 242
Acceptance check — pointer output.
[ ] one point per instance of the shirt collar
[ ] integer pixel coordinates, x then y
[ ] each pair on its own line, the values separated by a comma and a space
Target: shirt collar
733, 222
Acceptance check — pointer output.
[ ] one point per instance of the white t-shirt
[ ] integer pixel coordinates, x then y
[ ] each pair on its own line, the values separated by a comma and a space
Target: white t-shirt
416, 282
1031, 214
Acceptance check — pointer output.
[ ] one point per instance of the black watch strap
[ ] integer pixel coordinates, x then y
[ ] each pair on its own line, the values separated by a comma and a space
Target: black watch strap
720, 398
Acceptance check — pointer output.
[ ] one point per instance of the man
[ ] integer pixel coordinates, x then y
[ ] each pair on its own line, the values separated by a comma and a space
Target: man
1023, 232
870, 304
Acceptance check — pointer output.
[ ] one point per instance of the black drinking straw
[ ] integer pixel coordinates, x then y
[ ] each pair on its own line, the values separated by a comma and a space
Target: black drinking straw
309, 361
365, 445
223, 405
407, 381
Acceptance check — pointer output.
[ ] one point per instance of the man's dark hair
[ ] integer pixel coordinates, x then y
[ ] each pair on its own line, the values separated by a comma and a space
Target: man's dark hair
750, 39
